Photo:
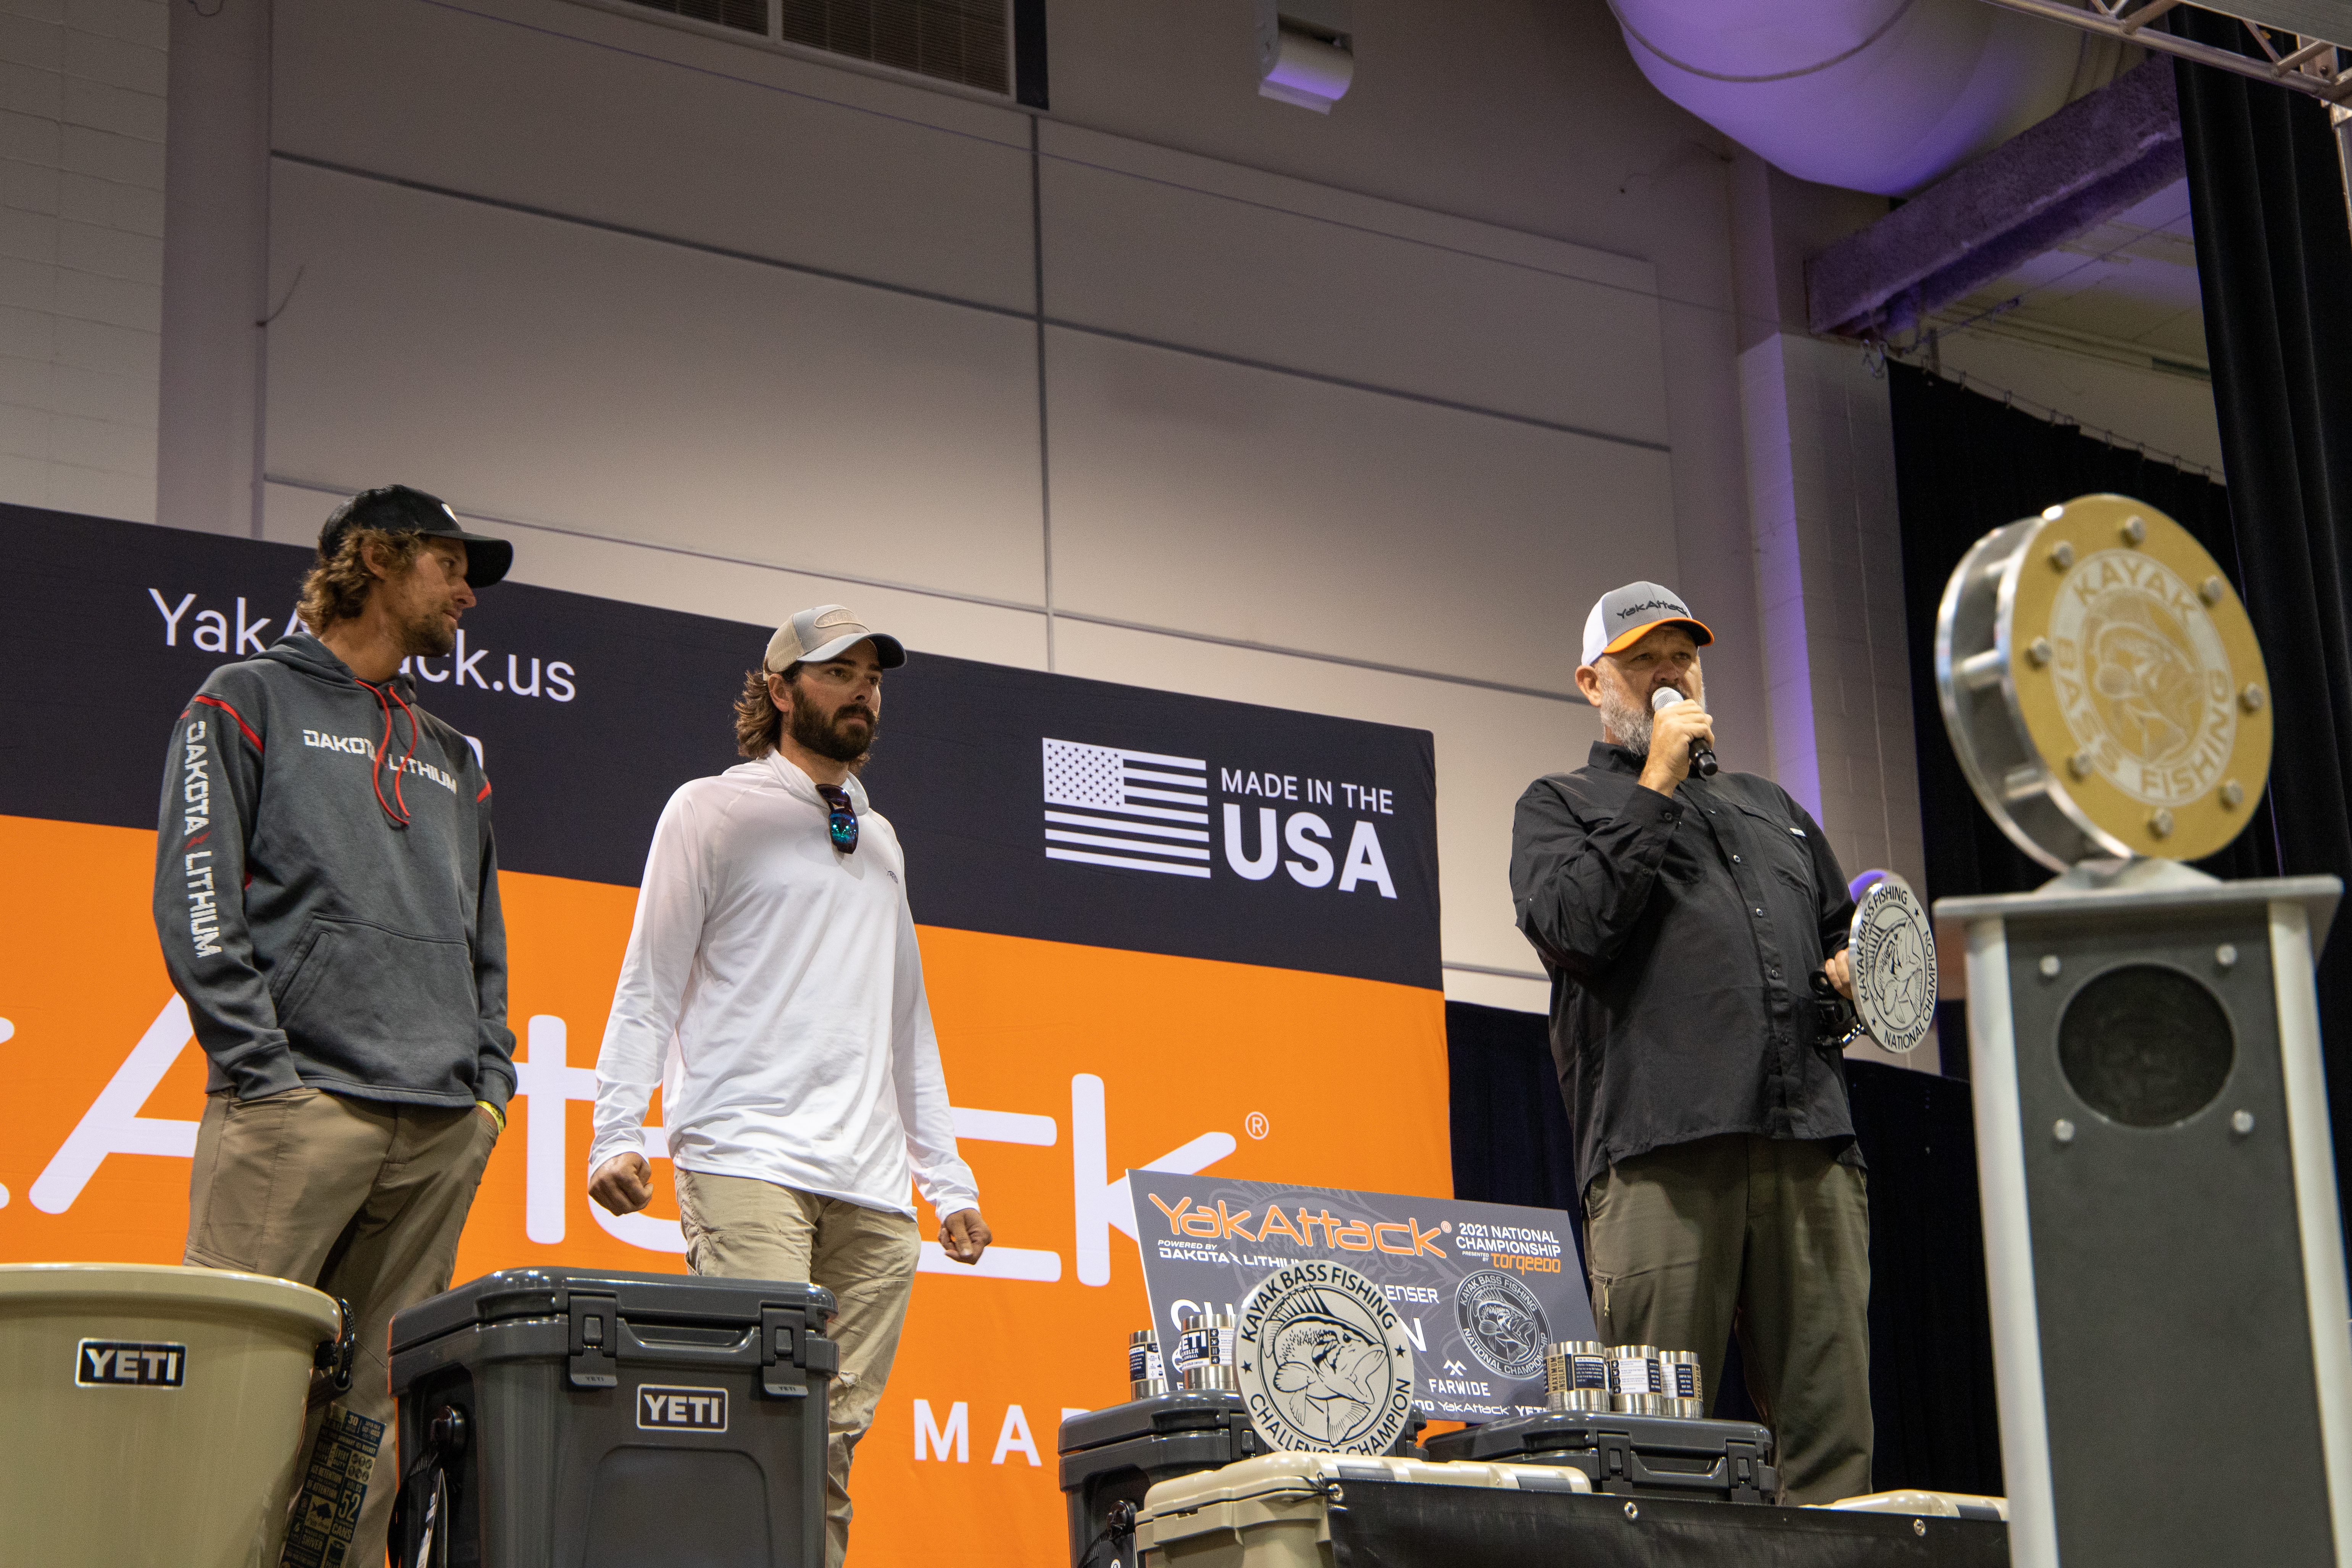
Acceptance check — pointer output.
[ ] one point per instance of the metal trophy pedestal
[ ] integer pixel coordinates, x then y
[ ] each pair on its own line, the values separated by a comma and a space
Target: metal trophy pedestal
2161, 1240
2163, 1258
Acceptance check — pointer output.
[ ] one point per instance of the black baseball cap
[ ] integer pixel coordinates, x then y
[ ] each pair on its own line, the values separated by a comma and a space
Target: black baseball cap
401, 509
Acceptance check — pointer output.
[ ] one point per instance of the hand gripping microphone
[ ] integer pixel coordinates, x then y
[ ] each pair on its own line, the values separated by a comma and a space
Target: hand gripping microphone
1703, 761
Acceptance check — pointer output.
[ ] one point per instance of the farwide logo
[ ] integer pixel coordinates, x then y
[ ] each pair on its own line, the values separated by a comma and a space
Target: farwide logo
1151, 811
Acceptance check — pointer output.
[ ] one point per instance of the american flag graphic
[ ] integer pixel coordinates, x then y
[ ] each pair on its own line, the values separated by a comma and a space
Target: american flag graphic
1139, 811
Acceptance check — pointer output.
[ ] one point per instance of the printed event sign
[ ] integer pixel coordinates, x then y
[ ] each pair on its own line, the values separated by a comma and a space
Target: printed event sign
1103, 877
1479, 1289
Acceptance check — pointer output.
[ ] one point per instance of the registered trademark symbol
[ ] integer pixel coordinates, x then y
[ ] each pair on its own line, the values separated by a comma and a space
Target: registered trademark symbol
1446, 1225
1256, 1124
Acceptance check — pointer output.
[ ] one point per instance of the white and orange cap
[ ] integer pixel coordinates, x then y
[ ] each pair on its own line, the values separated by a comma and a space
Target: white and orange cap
826, 632
1622, 616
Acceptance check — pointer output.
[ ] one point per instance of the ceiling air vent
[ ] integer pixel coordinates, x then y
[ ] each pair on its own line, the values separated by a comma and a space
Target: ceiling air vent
744, 15
963, 41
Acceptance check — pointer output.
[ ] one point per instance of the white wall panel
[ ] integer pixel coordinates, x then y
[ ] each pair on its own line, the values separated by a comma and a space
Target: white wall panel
1490, 746
699, 585
1214, 498
617, 118
549, 372
1181, 249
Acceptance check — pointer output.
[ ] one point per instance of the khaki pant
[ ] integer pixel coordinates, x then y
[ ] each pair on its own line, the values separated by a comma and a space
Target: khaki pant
362, 1199
1768, 1238
742, 1228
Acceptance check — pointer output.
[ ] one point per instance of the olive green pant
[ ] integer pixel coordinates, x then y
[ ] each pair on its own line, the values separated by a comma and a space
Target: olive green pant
363, 1200
1767, 1239
742, 1228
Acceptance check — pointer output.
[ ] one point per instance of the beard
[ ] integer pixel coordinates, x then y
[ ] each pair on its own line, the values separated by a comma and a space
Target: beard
838, 735
1627, 720
426, 634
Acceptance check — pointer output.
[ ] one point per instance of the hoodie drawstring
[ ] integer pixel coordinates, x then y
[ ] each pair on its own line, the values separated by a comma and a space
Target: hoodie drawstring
400, 817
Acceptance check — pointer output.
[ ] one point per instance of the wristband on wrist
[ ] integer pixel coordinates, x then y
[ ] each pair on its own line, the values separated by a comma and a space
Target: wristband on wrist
496, 1116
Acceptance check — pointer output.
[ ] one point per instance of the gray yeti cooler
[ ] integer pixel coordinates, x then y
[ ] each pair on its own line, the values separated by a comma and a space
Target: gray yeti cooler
587, 1418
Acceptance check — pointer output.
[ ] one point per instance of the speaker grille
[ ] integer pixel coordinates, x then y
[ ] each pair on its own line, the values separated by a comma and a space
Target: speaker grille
2145, 1044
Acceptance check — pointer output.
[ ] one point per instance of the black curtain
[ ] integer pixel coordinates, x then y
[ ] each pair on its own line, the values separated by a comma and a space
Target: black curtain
2274, 264
1965, 464
1931, 1387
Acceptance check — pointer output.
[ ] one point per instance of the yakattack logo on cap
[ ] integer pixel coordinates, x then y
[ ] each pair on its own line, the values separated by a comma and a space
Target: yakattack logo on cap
1628, 612
1323, 1361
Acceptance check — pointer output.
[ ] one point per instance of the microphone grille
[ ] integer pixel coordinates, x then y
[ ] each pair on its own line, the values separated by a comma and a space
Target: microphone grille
1664, 698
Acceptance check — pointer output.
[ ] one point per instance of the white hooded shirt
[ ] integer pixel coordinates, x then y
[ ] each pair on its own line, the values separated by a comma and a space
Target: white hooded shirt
773, 988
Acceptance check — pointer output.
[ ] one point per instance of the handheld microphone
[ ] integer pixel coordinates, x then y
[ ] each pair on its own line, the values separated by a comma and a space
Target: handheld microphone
1703, 761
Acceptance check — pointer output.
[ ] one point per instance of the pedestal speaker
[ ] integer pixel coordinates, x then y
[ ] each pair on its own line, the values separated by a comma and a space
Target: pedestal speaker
2166, 1269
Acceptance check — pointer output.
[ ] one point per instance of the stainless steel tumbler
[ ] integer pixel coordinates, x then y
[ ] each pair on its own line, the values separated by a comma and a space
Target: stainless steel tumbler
1147, 1371
1576, 1375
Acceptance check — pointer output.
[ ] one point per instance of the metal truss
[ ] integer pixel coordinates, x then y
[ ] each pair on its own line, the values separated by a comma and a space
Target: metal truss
2318, 66
2296, 61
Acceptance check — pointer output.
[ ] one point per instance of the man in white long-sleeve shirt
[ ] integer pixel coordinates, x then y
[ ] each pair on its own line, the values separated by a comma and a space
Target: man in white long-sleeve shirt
773, 989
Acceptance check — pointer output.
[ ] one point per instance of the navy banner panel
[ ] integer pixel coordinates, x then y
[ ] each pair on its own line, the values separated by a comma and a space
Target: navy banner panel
1031, 804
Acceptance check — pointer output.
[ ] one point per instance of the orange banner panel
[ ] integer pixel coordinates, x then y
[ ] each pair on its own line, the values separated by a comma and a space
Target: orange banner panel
1067, 1065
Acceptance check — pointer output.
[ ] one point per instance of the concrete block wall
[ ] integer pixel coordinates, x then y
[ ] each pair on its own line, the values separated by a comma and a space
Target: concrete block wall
81, 252
1828, 559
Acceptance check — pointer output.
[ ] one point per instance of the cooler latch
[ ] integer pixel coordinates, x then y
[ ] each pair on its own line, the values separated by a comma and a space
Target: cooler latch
595, 1330
1744, 1469
789, 1351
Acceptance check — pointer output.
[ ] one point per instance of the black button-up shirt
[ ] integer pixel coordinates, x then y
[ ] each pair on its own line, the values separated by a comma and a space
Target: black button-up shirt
1681, 934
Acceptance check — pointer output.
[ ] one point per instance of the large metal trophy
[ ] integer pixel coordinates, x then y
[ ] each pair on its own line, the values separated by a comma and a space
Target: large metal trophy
2161, 1237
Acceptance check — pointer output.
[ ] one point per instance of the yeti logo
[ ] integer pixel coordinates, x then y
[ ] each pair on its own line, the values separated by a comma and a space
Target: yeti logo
1324, 1363
1503, 1323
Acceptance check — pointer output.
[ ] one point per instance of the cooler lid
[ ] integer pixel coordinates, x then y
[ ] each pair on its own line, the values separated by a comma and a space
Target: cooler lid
548, 1293
1159, 1416
1275, 1477
137, 1286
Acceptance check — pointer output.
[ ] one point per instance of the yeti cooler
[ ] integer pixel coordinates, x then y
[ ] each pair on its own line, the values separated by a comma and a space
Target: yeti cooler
1288, 1509
154, 1412
1111, 1458
1331, 1511
586, 1418
1635, 1456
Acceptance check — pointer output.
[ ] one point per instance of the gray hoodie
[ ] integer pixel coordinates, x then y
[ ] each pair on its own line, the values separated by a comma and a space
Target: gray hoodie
327, 890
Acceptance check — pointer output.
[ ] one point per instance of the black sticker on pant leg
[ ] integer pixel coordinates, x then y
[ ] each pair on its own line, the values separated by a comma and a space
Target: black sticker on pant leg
327, 1511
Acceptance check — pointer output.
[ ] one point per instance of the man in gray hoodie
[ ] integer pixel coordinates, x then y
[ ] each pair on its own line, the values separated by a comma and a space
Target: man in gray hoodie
326, 896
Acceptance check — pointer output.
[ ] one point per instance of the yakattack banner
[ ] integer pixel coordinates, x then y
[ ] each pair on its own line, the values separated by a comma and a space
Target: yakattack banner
1107, 882
1480, 1288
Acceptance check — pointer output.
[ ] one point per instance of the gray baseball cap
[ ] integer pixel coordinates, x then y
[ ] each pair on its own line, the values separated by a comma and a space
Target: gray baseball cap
1622, 616
829, 631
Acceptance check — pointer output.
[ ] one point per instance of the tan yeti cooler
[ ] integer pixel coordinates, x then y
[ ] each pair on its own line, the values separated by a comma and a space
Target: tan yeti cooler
153, 1412
1275, 1511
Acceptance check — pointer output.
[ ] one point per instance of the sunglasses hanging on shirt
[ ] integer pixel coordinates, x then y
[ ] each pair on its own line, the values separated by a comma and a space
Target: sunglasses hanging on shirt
843, 821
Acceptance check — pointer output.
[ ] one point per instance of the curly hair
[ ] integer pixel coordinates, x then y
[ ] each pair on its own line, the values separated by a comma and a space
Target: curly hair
337, 589
759, 722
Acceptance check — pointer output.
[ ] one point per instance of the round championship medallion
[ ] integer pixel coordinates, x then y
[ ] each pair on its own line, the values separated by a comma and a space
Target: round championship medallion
2103, 687
1502, 1323
1893, 952
1324, 1363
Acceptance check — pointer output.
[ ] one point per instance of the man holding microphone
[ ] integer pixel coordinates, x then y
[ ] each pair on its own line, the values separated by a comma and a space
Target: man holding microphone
1680, 919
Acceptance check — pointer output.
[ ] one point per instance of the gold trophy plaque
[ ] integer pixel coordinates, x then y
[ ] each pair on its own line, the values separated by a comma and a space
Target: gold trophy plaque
2103, 685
